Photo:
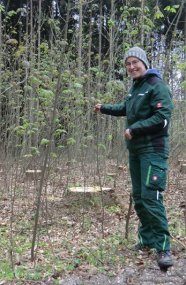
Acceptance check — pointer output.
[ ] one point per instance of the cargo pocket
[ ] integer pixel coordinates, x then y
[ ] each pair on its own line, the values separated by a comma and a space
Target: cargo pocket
157, 175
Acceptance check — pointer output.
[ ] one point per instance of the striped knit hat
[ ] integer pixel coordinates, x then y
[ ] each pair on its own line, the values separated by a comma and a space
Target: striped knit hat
139, 53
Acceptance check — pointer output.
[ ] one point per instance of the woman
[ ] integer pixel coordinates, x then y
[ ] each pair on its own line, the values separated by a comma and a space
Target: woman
148, 108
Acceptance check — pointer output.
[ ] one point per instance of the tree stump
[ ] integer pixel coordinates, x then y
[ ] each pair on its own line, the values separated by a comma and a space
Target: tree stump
183, 168
88, 189
33, 174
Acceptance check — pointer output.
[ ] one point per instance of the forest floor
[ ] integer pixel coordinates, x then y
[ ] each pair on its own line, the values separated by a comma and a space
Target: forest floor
81, 236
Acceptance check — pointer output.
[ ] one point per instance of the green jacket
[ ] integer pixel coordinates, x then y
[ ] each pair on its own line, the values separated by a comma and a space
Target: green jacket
148, 108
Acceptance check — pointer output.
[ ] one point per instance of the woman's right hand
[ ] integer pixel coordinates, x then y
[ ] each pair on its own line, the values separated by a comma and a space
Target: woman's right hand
97, 107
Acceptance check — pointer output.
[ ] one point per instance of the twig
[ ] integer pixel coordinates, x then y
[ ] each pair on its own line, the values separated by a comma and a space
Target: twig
128, 217
178, 241
18, 83
100, 183
179, 274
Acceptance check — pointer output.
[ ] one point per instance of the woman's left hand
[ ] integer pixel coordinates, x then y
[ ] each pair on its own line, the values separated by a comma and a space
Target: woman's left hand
127, 134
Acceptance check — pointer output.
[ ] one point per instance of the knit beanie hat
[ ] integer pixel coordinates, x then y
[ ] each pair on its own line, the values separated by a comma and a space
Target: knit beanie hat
139, 53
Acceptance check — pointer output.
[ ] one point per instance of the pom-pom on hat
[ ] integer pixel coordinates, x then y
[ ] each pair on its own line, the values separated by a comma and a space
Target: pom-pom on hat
139, 53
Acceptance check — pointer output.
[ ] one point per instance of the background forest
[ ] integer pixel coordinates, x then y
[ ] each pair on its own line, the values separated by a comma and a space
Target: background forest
60, 57
57, 59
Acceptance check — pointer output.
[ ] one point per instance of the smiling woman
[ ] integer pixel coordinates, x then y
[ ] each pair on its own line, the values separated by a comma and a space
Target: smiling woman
137, 53
135, 68
136, 62
147, 107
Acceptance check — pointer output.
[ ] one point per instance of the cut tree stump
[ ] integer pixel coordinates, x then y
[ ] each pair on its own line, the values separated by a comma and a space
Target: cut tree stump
2, 168
181, 161
2, 165
33, 174
183, 168
88, 189
113, 175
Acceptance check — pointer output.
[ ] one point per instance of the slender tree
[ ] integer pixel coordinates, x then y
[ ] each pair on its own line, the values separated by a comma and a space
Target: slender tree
142, 22
80, 35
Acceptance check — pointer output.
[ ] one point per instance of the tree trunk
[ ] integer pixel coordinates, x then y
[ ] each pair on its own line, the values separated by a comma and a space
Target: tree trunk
46, 159
142, 22
39, 34
100, 41
111, 40
80, 37
89, 54
0, 59
67, 20
185, 61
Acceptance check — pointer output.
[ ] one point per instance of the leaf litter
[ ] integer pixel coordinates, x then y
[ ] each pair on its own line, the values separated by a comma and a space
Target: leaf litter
82, 234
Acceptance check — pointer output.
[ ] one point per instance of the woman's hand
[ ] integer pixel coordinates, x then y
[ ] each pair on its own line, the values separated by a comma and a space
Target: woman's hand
97, 107
127, 134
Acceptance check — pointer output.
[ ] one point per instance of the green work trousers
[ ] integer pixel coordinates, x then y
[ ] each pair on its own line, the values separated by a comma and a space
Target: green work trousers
148, 174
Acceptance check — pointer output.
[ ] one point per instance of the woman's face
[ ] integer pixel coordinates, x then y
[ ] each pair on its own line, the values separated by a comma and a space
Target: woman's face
135, 67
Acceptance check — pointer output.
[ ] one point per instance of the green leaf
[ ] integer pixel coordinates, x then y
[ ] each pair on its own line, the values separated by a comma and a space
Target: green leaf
28, 155
182, 66
35, 80
11, 13
2, 8
28, 88
58, 132
134, 32
30, 132
111, 23
171, 9
34, 151
158, 15
67, 91
94, 69
46, 93
60, 146
134, 9
12, 42
53, 155
167, 8
78, 85
71, 141
22, 10
101, 146
183, 85
20, 130
44, 142
109, 137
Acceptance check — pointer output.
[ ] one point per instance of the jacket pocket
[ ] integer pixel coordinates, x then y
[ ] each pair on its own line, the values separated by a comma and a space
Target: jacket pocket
157, 176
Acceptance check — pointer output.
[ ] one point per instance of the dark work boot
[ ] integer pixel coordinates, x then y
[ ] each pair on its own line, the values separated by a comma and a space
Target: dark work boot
164, 259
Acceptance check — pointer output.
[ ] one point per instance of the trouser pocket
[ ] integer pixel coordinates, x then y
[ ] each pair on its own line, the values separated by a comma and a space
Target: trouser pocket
157, 175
